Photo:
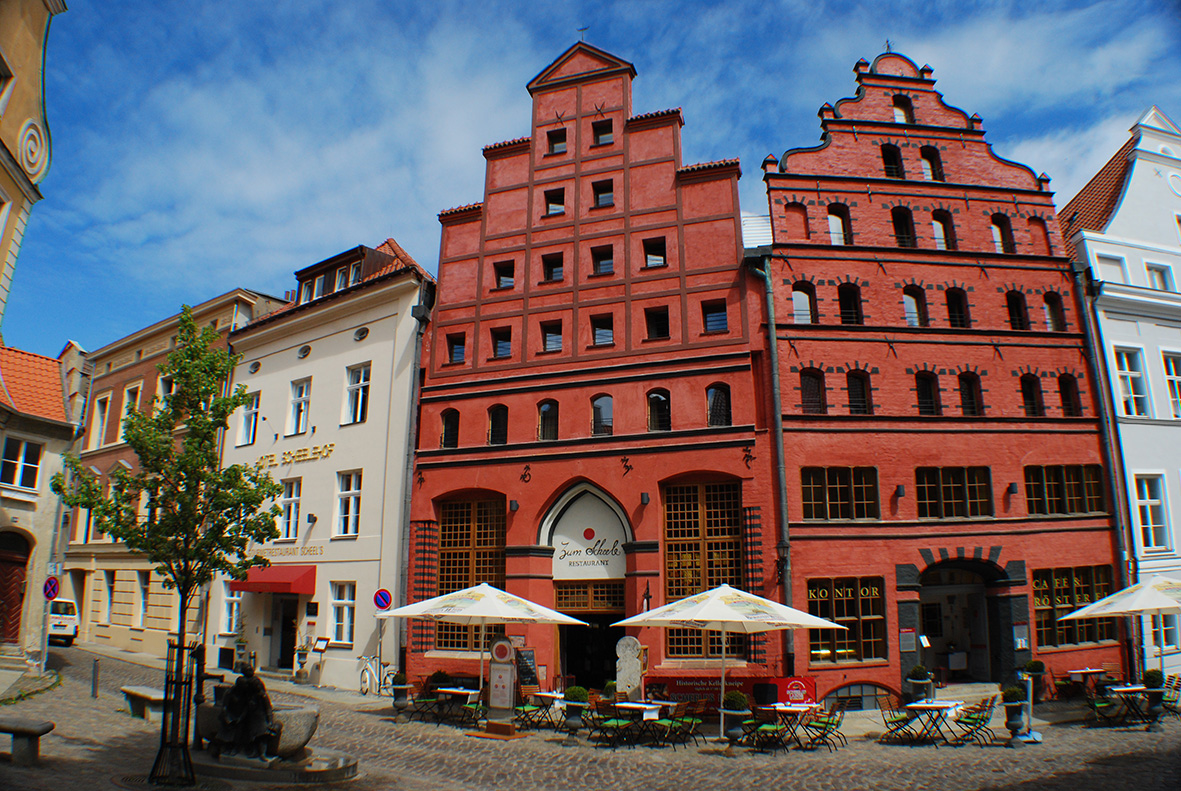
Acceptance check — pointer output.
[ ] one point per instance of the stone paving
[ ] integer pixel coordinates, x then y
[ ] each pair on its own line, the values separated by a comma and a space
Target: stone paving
98, 746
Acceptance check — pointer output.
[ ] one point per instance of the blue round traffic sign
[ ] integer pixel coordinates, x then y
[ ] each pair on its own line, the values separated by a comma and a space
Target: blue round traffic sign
382, 599
50, 588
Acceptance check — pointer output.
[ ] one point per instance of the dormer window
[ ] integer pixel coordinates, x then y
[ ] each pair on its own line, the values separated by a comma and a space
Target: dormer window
305, 292
321, 286
342, 278
355, 274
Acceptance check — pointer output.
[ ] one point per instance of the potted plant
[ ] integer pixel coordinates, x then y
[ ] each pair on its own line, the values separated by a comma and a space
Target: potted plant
399, 681
575, 699
735, 703
440, 678
609, 690
1036, 669
921, 685
1014, 701
1154, 682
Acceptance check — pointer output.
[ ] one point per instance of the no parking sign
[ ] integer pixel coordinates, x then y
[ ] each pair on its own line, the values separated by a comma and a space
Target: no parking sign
50, 588
382, 599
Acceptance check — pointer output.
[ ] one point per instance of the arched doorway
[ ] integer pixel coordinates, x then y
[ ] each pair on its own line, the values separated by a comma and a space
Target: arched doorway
14, 558
588, 531
954, 616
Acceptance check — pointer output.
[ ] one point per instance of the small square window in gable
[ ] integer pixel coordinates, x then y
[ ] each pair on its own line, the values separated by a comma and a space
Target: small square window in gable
603, 133
503, 272
556, 141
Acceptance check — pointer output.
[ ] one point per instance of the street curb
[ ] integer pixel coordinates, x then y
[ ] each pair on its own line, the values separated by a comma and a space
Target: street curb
29, 685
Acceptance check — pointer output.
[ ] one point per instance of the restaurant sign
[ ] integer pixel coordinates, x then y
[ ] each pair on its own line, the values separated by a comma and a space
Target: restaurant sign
588, 542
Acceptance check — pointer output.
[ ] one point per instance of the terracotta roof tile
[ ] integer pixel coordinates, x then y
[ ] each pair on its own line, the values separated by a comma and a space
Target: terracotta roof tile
505, 143
656, 114
32, 385
718, 163
460, 209
1092, 207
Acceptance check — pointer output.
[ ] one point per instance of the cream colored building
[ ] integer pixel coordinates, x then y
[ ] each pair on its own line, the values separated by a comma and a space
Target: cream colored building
333, 382
24, 130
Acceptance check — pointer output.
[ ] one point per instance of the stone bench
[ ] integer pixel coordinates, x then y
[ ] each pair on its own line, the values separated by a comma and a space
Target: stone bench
26, 736
147, 703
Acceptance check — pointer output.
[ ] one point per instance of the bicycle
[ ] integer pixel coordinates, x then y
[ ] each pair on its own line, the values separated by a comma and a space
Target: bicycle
373, 670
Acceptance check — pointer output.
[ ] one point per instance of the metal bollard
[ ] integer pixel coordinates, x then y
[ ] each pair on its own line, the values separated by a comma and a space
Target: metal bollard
94, 680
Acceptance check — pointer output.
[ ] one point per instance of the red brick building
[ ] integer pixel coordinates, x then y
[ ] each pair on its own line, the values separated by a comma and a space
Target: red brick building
944, 466
592, 430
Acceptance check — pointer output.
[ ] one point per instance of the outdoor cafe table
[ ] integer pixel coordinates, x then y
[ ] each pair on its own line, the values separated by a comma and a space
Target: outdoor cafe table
1086, 676
932, 714
642, 713
555, 709
1130, 695
455, 699
792, 716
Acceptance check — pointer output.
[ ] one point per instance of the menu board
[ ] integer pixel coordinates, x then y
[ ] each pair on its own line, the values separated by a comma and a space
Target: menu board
526, 666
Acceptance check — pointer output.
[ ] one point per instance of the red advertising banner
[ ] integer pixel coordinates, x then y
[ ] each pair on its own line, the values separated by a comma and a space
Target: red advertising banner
794, 689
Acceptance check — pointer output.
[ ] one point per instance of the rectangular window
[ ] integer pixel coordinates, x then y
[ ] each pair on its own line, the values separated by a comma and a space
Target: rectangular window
949, 492
1160, 277
556, 141
555, 202
130, 404
1167, 636
98, 425
249, 428
232, 614
551, 336
144, 578
305, 292
839, 493
703, 549
1058, 592
857, 603
602, 330
321, 284
344, 608
455, 348
471, 551
357, 395
301, 397
289, 528
927, 394
655, 253
604, 193
1064, 489
342, 278
551, 267
1173, 378
348, 512
656, 322
504, 274
1133, 391
713, 316
603, 260
1150, 512
355, 273
21, 464
164, 387
502, 342
109, 579
602, 133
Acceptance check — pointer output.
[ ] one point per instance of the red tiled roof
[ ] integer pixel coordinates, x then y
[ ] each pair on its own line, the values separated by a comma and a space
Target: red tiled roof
504, 143
32, 385
719, 163
460, 209
1092, 207
656, 114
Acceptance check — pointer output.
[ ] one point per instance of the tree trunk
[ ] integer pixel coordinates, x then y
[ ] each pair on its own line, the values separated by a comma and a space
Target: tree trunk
173, 765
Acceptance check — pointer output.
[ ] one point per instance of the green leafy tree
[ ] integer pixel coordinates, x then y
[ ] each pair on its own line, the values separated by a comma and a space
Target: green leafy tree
188, 515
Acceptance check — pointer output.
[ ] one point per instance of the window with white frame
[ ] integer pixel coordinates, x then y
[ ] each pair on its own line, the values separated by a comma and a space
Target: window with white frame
355, 274
164, 389
1150, 512
249, 428
1173, 378
301, 397
1159, 277
290, 505
342, 278
98, 422
348, 511
357, 400
1166, 638
130, 404
21, 464
344, 607
233, 609
1133, 391
144, 578
109, 579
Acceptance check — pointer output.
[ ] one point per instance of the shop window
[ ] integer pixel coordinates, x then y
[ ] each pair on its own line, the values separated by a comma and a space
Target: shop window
471, 551
1060, 591
839, 493
949, 492
858, 604
1064, 489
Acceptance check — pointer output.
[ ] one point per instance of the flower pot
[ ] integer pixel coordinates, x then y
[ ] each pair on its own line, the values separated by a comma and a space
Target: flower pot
1153, 710
921, 689
1015, 721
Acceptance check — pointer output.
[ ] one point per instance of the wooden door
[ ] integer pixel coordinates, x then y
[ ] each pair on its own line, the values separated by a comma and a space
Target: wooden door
12, 589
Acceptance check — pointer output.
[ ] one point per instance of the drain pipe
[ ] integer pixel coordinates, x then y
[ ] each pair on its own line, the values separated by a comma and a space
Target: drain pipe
759, 262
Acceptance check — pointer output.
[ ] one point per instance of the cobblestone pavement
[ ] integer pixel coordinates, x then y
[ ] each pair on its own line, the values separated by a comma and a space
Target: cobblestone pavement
97, 746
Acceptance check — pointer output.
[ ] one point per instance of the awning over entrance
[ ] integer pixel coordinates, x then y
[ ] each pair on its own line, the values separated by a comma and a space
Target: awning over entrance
281, 578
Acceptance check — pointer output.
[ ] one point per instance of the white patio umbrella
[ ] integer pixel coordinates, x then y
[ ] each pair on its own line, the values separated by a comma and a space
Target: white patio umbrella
1158, 595
728, 610
481, 604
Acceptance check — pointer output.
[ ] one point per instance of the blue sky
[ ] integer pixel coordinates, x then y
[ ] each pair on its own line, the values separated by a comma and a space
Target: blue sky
203, 146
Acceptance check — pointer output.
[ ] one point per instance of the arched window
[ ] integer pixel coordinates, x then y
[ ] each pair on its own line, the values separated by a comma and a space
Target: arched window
957, 308
903, 226
849, 296
1055, 317
914, 306
813, 400
926, 388
717, 405
840, 227
892, 162
1068, 392
971, 398
1018, 312
660, 416
498, 425
903, 110
860, 393
943, 229
932, 164
1002, 234
1031, 396
450, 435
795, 221
1039, 236
803, 303
601, 415
547, 420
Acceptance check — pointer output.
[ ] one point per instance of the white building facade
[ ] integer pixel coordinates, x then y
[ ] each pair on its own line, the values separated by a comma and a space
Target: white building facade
332, 379
1125, 226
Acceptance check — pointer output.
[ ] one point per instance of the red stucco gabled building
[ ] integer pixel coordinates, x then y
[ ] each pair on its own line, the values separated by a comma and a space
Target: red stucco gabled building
592, 429
945, 470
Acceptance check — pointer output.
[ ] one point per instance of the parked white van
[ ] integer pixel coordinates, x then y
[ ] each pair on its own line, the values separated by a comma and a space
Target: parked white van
63, 621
